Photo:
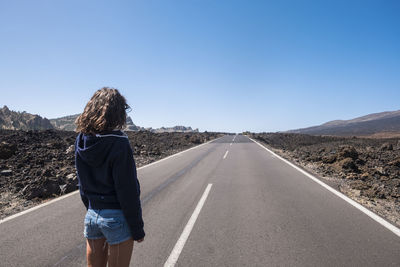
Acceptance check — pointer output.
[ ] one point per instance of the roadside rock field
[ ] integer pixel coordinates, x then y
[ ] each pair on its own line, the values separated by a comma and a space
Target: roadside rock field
36, 166
365, 169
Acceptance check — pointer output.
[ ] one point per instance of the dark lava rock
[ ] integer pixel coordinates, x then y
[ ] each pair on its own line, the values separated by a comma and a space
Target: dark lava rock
43, 189
7, 150
376, 191
47, 172
365, 176
6, 173
71, 184
395, 162
348, 164
195, 140
347, 152
359, 185
329, 159
386, 147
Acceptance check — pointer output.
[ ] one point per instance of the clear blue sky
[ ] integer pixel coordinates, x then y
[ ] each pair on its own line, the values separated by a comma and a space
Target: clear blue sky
216, 65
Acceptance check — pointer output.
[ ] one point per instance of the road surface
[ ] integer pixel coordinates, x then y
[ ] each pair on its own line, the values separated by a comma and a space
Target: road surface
229, 203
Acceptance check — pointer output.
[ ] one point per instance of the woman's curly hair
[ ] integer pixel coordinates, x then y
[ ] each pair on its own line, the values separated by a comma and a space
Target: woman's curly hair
105, 111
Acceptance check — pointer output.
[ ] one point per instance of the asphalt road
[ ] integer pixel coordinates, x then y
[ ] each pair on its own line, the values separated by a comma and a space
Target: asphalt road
259, 211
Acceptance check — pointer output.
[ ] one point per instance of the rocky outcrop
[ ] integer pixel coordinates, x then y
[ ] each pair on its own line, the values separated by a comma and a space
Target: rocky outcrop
130, 126
66, 123
12, 120
175, 129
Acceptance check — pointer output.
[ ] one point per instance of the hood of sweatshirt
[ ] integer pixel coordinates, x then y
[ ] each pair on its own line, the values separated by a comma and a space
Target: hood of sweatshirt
94, 149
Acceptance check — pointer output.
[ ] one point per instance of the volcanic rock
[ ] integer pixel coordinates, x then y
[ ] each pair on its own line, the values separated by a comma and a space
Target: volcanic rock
6, 173
395, 162
329, 159
71, 149
365, 176
195, 139
348, 164
359, 185
376, 191
386, 147
347, 152
71, 184
42, 189
7, 150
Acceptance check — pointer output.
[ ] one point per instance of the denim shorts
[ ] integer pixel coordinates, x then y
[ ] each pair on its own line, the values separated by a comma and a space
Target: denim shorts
106, 223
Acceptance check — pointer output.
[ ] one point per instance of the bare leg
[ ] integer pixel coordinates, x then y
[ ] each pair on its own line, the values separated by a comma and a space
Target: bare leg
96, 252
120, 254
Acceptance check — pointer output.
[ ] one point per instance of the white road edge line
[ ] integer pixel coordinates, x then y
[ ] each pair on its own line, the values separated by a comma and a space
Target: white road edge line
366, 211
226, 154
77, 191
176, 251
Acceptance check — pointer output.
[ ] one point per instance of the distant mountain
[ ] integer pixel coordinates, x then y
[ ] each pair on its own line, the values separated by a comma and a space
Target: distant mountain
181, 129
12, 120
376, 124
130, 126
67, 123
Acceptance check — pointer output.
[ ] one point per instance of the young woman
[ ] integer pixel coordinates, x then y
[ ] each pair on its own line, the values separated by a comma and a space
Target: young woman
107, 181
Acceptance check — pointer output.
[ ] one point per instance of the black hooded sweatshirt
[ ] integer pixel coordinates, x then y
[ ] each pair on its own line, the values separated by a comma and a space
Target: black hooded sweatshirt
107, 176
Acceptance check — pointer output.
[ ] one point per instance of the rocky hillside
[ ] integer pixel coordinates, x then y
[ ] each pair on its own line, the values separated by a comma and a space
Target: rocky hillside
67, 123
130, 126
12, 120
175, 129
38, 165
378, 124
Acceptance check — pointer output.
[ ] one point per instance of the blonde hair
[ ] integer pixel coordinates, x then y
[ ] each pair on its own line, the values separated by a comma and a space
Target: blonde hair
105, 111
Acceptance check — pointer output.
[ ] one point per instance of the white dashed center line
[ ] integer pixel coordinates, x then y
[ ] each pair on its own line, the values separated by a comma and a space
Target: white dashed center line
173, 258
226, 154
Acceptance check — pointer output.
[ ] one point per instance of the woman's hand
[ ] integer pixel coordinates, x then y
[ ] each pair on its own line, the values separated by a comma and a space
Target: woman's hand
140, 240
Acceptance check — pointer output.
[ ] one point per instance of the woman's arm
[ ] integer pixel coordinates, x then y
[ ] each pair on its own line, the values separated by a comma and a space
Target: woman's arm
85, 200
128, 189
